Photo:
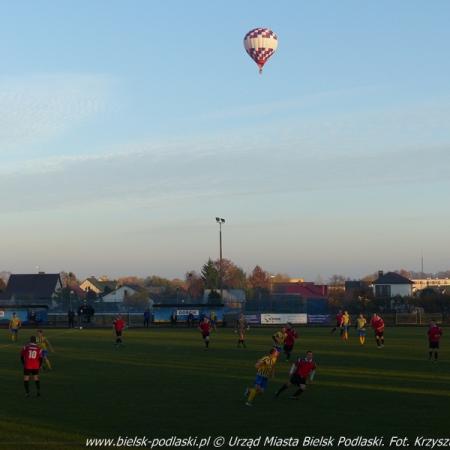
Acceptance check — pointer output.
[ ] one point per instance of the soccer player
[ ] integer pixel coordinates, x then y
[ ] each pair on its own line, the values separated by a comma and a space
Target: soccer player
119, 326
361, 328
205, 328
377, 324
278, 339
264, 370
241, 328
14, 326
31, 357
345, 325
213, 319
338, 321
289, 341
301, 371
434, 336
44, 345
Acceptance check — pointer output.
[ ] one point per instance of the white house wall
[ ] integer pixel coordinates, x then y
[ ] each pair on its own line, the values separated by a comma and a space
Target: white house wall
401, 289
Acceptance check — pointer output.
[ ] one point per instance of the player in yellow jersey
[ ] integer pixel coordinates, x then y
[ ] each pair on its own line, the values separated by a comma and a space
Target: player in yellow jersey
345, 325
361, 328
264, 370
45, 345
14, 327
278, 339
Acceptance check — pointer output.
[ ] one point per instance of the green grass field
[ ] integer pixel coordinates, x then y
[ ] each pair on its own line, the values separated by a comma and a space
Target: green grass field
162, 383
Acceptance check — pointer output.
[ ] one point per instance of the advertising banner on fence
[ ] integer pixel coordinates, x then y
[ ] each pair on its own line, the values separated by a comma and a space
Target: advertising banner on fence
273, 319
254, 319
186, 312
319, 319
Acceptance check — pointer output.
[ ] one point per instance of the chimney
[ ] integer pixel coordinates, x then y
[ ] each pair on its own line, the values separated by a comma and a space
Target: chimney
380, 273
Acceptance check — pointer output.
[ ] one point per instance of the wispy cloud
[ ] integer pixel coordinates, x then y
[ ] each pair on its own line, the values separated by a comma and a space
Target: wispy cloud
36, 108
377, 148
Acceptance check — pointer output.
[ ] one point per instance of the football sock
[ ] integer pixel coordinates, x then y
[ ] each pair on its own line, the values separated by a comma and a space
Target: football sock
436, 355
38, 385
47, 361
26, 385
252, 395
282, 388
363, 339
382, 341
430, 355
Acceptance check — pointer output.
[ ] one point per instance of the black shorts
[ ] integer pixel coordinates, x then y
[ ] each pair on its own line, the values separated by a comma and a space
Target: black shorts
297, 380
288, 348
205, 335
28, 372
434, 344
118, 333
379, 333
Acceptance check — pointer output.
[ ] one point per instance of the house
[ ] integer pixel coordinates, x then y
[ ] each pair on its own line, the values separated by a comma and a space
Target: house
439, 284
98, 286
391, 284
121, 293
32, 287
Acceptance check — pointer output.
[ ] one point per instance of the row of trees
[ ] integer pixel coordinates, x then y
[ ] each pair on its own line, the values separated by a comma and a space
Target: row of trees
255, 284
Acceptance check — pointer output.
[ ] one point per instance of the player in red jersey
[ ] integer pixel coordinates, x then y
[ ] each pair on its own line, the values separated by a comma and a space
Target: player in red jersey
31, 357
205, 328
119, 326
434, 336
302, 370
338, 321
377, 324
289, 341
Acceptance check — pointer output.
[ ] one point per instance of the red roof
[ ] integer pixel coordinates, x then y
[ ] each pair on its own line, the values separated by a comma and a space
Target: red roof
305, 289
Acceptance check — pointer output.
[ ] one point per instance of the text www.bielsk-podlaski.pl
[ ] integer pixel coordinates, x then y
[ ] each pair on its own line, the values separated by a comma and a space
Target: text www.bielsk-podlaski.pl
271, 442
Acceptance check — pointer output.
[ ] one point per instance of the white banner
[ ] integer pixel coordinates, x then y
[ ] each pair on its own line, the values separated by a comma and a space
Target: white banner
273, 319
186, 312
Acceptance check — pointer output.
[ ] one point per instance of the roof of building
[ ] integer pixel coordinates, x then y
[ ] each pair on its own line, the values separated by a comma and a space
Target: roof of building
305, 289
32, 286
392, 278
101, 285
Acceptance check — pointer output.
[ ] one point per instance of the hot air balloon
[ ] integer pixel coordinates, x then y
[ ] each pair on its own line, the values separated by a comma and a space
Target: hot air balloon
260, 44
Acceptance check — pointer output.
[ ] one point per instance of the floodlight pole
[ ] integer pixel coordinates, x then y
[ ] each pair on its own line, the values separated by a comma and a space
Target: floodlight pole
220, 221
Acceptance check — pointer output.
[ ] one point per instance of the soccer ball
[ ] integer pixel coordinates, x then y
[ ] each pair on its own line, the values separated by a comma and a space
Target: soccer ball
81, 328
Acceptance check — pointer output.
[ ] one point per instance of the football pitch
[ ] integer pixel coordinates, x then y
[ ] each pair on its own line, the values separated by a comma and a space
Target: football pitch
163, 383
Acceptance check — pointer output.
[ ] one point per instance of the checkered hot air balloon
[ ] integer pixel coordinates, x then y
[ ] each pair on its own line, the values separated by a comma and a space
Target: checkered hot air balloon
260, 44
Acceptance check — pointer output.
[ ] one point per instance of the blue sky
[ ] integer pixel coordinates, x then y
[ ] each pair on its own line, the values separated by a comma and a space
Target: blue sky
127, 127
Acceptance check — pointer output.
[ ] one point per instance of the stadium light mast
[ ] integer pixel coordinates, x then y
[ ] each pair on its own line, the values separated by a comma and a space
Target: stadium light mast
220, 221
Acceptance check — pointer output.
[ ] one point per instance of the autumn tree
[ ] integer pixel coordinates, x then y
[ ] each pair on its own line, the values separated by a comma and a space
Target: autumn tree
68, 279
194, 285
259, 279
233, 277
258, 283
131, 279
